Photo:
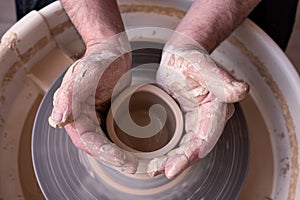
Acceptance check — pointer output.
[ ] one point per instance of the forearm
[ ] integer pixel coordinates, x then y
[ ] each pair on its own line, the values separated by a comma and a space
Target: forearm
95, 20
209, 22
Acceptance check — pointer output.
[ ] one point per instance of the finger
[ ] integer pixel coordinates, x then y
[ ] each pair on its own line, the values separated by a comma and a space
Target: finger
204, 126
156, 166
199, 67
87, 121
170, 165
83, 124
64, 108
175, 165
63, 103
207, 122
87, 135
109, 153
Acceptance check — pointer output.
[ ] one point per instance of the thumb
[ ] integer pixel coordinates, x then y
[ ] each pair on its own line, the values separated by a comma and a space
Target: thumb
220, 83
200, 67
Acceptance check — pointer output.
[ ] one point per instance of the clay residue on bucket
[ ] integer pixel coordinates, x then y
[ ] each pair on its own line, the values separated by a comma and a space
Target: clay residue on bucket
60, 28
9, 75
10, 42
262, 69
12, 39
172, 12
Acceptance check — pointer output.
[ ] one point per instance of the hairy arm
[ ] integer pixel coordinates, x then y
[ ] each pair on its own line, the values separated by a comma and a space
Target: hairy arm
203, 90
95, 20
209, 22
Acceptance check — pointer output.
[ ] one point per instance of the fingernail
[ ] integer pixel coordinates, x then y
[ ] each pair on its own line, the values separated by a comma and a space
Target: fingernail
176, 166
171, 171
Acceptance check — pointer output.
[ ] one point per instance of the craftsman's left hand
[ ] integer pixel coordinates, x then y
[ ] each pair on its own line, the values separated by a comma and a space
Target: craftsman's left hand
205, 93
88, 84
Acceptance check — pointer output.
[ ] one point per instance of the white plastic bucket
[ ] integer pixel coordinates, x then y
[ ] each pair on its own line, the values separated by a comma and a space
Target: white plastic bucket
27, 69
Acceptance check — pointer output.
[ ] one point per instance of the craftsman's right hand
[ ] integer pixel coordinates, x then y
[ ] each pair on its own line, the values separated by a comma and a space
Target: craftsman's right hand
205, 93
88, 84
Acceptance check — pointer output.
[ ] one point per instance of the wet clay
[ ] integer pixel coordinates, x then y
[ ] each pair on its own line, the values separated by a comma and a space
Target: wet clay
139, 106
260, 176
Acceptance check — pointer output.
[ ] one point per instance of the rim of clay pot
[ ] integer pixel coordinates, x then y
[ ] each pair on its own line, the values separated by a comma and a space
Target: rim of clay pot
170, 102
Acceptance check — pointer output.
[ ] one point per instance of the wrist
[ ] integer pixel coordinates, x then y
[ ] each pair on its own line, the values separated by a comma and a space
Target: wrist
118, 43
97, 37
102, 32
95, 20
210, 22
180, 43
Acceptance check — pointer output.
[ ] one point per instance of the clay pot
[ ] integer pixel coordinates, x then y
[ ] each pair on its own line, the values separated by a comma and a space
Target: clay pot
146, 120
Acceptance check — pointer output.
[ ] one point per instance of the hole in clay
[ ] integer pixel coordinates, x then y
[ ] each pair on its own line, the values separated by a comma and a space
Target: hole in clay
139, 106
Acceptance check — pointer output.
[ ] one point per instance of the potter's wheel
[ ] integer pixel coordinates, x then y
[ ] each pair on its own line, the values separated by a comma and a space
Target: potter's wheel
64, 172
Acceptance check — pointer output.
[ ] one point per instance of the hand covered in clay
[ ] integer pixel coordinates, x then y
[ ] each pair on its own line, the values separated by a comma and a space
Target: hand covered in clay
205, 93
89, 82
